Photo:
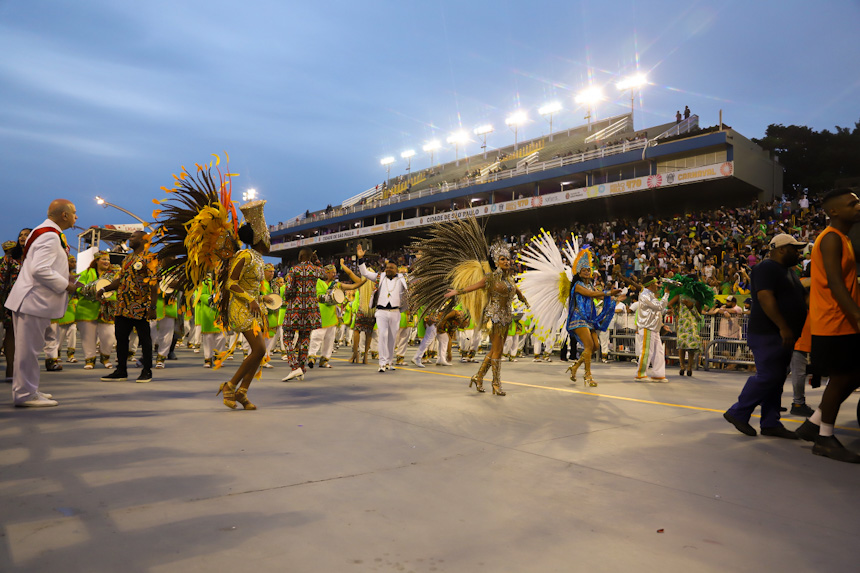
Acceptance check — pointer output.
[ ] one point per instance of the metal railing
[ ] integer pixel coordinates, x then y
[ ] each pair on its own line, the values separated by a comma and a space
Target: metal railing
622, 125
469, 182
683, 127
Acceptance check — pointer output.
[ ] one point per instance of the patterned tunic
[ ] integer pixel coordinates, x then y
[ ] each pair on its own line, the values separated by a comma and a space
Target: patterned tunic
251, 280
501, 291
300, 294
134, 294
688, 327
9, 269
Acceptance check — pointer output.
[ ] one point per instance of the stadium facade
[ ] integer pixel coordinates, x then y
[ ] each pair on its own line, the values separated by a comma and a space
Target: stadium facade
596, 172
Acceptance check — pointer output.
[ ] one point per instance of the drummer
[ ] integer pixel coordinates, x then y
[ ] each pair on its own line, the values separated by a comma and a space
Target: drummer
92, 316
166, 313
266, 289
330, 292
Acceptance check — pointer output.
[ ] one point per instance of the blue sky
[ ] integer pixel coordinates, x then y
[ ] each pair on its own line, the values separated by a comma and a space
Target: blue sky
109, 98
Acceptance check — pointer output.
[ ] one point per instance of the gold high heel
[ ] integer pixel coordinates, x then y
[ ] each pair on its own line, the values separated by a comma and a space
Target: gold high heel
478, 378
574, 367
242, 398
588, 380
497, 377
229, 394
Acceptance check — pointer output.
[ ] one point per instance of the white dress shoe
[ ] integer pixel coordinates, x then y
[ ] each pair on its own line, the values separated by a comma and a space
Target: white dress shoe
417, 362
297, 374
45, 395
36, 401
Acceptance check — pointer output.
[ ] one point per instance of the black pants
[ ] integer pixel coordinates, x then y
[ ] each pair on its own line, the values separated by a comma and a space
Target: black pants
122, 328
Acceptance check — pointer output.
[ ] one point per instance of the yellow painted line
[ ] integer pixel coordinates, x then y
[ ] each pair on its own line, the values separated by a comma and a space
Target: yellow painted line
595, 394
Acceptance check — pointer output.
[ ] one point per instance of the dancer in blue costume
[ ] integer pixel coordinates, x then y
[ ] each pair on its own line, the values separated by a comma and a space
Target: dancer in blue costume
583, 320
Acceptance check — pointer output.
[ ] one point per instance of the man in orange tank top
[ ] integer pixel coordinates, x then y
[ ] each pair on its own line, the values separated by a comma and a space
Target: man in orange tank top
834, 313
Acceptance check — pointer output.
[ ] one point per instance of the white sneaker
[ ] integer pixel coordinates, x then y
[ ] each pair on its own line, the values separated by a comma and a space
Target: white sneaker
159, 364
88, 366
381, 369
417, 362
297, 374
268, 365
37, 400
284, 357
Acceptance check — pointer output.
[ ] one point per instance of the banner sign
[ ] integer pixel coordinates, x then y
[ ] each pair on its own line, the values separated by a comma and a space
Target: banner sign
660, 180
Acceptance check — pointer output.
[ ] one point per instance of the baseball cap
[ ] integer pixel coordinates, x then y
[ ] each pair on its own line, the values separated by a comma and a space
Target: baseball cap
731, 298
784, 239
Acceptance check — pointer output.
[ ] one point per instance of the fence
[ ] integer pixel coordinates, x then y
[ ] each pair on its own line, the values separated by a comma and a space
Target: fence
723, 343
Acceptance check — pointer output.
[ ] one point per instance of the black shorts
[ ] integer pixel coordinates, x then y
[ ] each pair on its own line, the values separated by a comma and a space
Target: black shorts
835, 354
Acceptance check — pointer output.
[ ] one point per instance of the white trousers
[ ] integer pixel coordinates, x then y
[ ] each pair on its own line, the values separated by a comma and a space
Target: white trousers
649, 349
212, 342
58, 334
387, 323
543, 347
29, 342
426, 342
603, 338
402, 341
511, 344
162, 334
93, 330
322, 342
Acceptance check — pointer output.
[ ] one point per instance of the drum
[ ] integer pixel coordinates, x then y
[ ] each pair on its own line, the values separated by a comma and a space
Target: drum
273, 301
100, 284
166, 285
333, 296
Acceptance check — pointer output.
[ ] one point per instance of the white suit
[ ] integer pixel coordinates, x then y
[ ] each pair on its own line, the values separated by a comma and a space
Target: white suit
38, 295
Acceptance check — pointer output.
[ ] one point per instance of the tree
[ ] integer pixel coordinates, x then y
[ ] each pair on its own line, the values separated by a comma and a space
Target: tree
813, 160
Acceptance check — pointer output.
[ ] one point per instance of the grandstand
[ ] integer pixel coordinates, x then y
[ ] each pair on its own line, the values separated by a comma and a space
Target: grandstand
589, 172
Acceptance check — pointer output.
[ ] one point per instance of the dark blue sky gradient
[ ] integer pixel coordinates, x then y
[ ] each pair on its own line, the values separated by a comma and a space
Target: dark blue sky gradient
110, 98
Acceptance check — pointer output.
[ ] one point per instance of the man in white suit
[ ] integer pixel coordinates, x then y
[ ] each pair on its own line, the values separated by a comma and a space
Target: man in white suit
390, 293
40, 294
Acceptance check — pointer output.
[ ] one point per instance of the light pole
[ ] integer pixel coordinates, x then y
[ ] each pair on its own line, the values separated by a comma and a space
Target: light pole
431, 147
588, 97
249, 195
105, 204
458, 138
408, 155
549, 110
387, 161
483, 131
632, 83
514, 121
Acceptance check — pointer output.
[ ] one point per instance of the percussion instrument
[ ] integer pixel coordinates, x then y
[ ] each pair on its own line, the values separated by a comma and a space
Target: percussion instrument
166, 285
89, 290
333, 296
273, 301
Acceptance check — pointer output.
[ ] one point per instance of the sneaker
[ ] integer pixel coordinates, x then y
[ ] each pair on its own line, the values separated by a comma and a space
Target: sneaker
780, 432
53, 365
207, 364
172, 356
664, 379
115, 376
807, 431
740, 425
88, 366
145, 376
72, 360
268, 365
381, 369
159, 364
801, 410
830, 447
311, 362
284, 357
36, 401
107, 364
196, 351
45, 395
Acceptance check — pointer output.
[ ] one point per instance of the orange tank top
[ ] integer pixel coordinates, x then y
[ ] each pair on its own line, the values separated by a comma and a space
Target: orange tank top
825, 316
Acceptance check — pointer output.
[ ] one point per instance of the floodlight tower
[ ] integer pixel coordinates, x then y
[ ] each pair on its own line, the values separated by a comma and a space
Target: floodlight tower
632, 83
483, 131
408, 155
514, 121
386, 162
431, 147
549, 110
458, 138
588, 97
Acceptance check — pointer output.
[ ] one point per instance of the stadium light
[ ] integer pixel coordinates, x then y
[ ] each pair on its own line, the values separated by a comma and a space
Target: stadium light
458, 138
632, 83
408, 155
387, 161
483, 131
249, 195
431, 147
549, 110
588, 97
514, 121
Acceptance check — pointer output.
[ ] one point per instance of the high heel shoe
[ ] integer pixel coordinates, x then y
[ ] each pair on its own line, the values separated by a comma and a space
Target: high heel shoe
478, 378
354, 359
497, 377
229, 394
573, 368
587, 379
242, 398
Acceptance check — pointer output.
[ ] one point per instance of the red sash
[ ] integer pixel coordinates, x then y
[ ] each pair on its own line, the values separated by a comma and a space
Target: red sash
38, 233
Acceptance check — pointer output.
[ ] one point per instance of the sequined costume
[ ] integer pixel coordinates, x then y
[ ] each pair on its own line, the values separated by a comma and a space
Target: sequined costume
501, 291
582, 312
240, 314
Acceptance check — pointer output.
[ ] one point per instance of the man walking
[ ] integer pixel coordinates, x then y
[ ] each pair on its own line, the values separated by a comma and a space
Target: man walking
137, 296
40, 294
649, 321
775, 323
390, 294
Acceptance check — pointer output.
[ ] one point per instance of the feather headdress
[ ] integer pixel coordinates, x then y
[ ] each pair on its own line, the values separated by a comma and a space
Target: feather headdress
546, 282
691, 288
455, 255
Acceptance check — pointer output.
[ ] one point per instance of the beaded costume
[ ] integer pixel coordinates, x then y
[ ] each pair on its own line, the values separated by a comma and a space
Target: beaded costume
239, 310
